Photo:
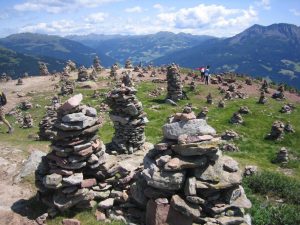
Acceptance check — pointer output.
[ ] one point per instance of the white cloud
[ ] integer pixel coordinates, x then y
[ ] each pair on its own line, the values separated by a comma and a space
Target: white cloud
295, 12
266, 4
158, 6
58, 6
214, 19
136, 9
96, 17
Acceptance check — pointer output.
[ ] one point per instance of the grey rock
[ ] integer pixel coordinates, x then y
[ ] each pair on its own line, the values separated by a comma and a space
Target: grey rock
200, 148
73, 117
190, 186
74, 179
190, 127
185, 208
52, 181
106, 204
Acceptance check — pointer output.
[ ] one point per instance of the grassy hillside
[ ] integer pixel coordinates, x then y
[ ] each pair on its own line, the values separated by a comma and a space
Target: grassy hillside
274, 193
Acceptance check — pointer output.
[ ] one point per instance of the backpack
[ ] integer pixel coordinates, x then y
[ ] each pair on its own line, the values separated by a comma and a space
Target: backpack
3, 99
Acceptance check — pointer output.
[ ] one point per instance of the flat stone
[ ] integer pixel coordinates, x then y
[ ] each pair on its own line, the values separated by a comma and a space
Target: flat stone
226, 220
215, 177
52, 180
162, 160
157, 213
90, 111
106, 204
116, 118
179, 163
195, 200
74, 117
190, 127
190, 186
100, 216
100, 195
186, 139
63, 202
88, 183
185, 208
74, 179
71, 103
200, 148
87, 122
71, 222
137, 193
229, 164
164, 179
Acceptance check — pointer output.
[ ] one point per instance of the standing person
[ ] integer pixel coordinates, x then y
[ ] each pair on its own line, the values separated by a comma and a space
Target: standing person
3, 102
206, 75
202, 70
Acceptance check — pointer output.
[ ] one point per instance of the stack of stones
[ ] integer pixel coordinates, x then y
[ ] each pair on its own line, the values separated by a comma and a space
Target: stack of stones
96, 64
71, 66
43, 69
129, 120
277, 130
174, 83
287, 108
248, 81
262, 99
25, 105
221, 104
203, 113
282, 156
46, 124
187, 180
27, 121
237, 118
209, 99
67, 87
244, 110
279, 94
20, 81
128, 64
83, 74
127, 80
66, 174
113, 71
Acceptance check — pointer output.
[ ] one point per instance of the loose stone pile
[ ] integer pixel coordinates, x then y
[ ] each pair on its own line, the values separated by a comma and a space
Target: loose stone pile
262, 99
25, 105
129, 120
67, 172
4, 77
221, 104
282, 156
277, 131
97, 65
237, 118
209, 99
244, 110
128, 64
127, 80
174, 83
203, 113
113, 71
287, 108
27, 121
43, 69
279, 94
83, 74
186, 179
67, 87
20, 82
71, 66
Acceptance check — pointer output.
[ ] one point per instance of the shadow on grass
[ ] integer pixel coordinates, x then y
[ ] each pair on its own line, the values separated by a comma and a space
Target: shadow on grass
158, 101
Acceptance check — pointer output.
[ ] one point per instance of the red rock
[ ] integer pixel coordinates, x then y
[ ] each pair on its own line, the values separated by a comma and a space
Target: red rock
71, 222
100, 216
88, 183
177, 218
96, 144
85, 152
71, 103
157, 213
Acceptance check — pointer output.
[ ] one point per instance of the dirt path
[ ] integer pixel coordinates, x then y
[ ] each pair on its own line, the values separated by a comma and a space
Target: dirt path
13, 197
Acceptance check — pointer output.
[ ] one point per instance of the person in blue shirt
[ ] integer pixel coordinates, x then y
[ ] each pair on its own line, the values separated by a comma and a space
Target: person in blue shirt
207, 75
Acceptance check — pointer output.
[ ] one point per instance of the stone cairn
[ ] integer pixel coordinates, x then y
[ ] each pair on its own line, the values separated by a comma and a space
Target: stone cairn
25, 105
67, 87
20, 82
236, 118
203, 113
187, 180
83, 74
48, 121
244, 110
97, 65
113, 71
209, 99
27, 121
221, 104
129, 120
282, 156
71, 66
265, 87
66, 175
174, 83
43, 69
287, 108
277, 131
262, 99
127, 80
128, 64
279, 94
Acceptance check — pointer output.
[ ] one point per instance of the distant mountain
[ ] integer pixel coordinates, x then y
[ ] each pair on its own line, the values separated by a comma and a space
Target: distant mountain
54, 47
16, 64
138, 48
265, 51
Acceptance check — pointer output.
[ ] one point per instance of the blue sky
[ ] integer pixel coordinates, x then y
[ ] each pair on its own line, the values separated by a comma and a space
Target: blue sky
219, 18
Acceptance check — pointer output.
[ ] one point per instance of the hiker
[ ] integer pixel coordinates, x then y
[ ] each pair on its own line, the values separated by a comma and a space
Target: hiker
206, 75
3, 102
202, 70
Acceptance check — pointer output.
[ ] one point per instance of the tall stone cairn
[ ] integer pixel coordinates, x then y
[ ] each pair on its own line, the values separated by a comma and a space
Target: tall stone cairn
187, 180
71, 66
129, 120
97, 65
43, 69
83, 74
174, 83
128, 64
67, 174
